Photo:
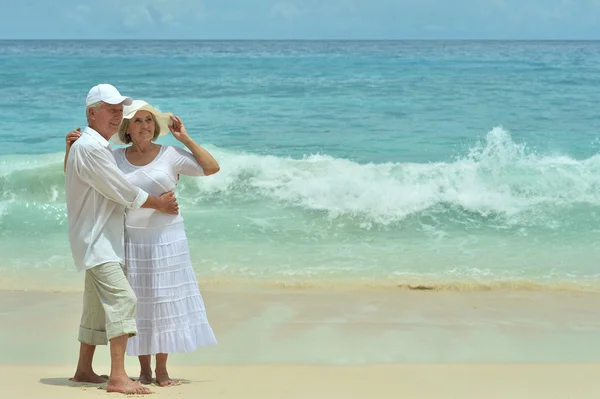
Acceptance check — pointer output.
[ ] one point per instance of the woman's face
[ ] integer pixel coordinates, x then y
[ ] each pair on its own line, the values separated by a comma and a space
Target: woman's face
141, 127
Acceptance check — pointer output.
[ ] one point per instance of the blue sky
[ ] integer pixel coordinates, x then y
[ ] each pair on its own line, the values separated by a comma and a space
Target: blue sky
300, 19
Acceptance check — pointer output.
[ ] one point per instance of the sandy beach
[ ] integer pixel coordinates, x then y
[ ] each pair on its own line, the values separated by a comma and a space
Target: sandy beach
300, 382
294, 343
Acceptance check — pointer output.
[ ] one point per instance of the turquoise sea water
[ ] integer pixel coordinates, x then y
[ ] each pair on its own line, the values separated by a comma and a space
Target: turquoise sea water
466, 163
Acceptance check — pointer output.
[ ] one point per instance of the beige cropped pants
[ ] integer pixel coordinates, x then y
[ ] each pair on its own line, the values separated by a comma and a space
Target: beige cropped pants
109, 305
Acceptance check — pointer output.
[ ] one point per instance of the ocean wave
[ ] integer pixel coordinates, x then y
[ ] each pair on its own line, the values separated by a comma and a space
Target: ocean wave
496, 181
498, 178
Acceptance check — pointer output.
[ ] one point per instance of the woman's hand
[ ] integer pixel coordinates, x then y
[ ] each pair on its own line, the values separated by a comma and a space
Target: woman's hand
72, 137
178, 130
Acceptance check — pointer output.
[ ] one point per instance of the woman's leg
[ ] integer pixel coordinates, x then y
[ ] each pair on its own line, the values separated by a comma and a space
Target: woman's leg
162, 376
145, 369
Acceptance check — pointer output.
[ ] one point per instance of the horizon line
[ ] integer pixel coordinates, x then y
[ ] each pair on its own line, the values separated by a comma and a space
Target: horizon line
306, 40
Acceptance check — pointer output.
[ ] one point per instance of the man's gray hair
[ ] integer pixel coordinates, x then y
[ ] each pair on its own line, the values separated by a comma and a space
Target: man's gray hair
87, 109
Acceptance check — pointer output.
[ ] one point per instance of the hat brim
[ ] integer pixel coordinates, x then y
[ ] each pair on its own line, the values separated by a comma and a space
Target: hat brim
163, 120
119, 100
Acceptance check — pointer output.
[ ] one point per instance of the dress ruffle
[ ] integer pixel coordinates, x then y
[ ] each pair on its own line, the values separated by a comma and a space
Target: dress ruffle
171, 316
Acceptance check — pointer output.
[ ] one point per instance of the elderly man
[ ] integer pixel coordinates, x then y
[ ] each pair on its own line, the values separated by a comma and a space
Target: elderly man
97, 193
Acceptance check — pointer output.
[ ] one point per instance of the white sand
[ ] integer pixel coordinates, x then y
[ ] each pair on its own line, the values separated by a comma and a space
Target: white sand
330, 382
328, 344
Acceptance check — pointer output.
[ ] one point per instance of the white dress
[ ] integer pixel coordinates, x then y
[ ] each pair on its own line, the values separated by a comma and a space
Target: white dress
171, 316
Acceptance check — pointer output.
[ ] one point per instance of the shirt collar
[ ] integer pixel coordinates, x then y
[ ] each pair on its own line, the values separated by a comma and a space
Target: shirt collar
96, 136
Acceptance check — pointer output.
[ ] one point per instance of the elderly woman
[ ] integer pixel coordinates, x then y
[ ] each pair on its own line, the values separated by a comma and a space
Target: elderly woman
171, 316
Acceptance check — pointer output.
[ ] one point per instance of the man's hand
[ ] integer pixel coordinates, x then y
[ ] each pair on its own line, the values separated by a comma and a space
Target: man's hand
72, 137
169, 203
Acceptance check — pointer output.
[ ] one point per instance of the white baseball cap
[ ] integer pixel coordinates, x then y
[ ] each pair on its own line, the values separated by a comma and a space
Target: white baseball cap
106, 93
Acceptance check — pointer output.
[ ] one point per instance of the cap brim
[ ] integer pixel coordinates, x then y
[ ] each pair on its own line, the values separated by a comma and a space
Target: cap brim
119, 100
164, 121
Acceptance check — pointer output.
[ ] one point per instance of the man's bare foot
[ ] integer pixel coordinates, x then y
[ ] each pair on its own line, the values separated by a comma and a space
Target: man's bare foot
89, 377
163, 380
145, 377
126, 386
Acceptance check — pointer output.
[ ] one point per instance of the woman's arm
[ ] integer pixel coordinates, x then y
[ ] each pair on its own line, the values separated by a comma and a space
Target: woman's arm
206, 161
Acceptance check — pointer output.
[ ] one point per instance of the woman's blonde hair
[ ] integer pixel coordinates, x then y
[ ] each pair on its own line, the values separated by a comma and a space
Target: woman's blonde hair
126, 138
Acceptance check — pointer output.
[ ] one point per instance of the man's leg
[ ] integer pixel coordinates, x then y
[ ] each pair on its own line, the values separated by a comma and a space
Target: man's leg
119, 301
91, 333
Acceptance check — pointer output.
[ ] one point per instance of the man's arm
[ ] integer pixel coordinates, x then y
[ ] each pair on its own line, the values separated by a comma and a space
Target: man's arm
101, 172
166, 201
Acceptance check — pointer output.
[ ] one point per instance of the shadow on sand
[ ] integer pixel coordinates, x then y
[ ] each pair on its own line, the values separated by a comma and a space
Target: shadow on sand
67, 382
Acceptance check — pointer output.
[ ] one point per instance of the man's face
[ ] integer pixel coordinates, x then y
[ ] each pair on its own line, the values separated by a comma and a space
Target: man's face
107, 118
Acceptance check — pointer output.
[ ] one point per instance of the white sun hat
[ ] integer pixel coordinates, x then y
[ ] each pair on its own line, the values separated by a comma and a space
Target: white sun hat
163, 119
106, 93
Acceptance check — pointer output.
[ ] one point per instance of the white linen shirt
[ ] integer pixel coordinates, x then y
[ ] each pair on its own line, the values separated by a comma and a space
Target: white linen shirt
97, 194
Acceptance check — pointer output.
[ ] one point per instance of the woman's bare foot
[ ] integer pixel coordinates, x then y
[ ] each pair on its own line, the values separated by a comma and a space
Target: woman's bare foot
89, 377
145, 377
126, 386
163, 380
